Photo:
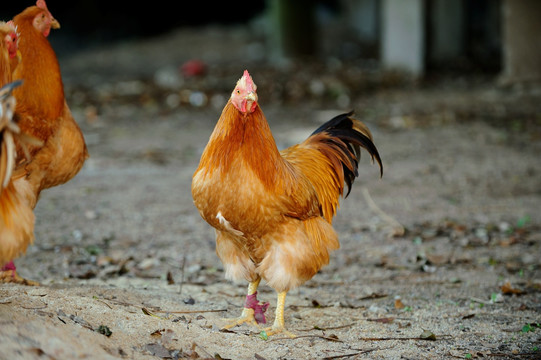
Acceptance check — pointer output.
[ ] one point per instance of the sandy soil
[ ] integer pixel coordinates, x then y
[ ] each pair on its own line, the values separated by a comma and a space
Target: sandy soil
128, 268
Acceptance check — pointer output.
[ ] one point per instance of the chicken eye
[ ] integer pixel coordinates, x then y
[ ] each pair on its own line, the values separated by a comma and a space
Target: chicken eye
238, 91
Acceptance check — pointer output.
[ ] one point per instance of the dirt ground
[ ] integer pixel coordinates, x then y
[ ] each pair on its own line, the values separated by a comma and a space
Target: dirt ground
128, 267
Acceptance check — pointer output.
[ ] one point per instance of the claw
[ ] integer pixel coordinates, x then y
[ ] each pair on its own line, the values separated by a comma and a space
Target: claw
247, 316
274, 330
11, 276
8, 274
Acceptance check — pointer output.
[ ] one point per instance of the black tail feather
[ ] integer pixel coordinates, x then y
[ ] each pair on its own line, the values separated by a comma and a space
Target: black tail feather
350, 135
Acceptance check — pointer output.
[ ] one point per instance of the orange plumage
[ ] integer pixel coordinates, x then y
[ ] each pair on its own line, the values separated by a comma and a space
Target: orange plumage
42, 93
16, 216
273, 210
42, 112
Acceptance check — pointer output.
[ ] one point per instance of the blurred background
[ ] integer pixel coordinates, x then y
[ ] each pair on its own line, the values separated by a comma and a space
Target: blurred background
423, 38
324, 53
489, 36
416, 35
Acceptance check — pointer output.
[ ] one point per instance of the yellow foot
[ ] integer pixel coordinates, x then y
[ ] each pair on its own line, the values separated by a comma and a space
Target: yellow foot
11, 276
275, 330
247, 316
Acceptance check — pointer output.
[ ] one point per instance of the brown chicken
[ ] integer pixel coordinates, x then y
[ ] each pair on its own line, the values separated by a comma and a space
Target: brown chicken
16, 217
272, 210
42, 111
9, 52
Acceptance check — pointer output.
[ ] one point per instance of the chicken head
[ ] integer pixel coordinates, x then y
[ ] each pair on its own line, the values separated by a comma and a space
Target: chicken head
244, 96
44, 20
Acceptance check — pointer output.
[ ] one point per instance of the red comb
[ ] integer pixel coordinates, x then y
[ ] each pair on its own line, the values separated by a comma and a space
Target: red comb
41, 4
250, 86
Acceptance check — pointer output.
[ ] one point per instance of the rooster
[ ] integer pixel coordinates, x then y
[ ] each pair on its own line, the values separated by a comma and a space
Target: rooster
42, 112
272, 210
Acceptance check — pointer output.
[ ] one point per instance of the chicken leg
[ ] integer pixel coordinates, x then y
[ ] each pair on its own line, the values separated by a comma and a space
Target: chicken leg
253, 312
8, 274
278, 327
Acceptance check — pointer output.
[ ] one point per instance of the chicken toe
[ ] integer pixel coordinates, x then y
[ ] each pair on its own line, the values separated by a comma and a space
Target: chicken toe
247, 316
279, 324
8, 274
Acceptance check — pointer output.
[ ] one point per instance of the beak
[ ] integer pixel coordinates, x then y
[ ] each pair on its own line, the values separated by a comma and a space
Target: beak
251, 96
55, 24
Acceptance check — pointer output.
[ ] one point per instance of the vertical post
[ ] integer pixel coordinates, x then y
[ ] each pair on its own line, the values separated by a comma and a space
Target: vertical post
403, 35
293, 28
521, 41
446, 30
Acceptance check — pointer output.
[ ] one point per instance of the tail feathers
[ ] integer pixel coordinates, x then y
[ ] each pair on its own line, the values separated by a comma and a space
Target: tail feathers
16, 224
346, 136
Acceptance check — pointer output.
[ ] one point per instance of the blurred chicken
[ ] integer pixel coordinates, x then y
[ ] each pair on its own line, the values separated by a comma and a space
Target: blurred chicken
9, 52
273, 210
42, 111
16, 216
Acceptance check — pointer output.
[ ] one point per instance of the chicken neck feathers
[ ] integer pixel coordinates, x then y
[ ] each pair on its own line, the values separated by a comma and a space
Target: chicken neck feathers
40, 101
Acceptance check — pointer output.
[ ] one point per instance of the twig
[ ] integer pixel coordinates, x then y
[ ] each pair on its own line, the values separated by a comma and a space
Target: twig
334, 327
387, 319
401, 338
518, 355
120, 302
327, 329
35, 307
207, 355
344, 355
505, 355
308, 336
149, 313
190, 311
373, 296
388, 338
182, 274
398, 229
480, 301
350, 355
103, 302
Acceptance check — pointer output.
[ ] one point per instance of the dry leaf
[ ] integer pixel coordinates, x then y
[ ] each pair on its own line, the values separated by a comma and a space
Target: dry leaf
507, 289
437, 259
159, 351
427, 335
157, 332
373, 296
333, 337
170, 279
